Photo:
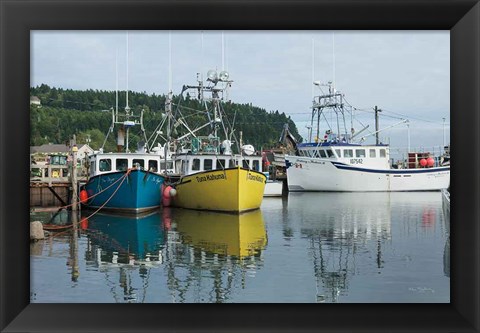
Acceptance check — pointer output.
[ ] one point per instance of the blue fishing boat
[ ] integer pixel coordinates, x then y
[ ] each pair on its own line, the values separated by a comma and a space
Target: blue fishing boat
123, 182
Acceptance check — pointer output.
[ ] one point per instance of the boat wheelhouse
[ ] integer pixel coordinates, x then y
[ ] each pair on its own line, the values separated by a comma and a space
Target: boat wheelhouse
104, 163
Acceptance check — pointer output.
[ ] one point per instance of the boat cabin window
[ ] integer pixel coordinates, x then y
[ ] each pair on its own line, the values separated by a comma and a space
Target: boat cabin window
140, 163
207, 164
322, 153
339, 152
152, 166
256, 165
121, 164
196, 164
105, 164
372, 153
246, 164
360, 152
348, 153
383, 153
92, 168
330, 153
220, 164
232, 164
169, 165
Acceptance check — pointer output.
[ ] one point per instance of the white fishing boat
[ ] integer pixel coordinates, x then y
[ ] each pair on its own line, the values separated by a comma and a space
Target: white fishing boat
337, 163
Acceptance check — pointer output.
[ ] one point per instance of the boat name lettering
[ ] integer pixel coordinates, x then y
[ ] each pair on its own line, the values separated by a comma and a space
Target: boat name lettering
210, 177
356, 161
256, 178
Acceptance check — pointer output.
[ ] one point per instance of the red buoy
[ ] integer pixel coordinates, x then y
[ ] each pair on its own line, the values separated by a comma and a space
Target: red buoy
83, 196
168, 193
430, 161
423, 162
84, 224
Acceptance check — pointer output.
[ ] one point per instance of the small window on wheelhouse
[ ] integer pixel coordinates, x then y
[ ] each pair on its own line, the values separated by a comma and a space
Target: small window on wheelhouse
256, 165
372, 153
383, 153
196, 164
221, 164
207, 164
339, 152
360, 152
92, 168
121, 164
245, 164
152, 166
232, 164
138, 163
348, 153
330, 153
322, 153
105, 164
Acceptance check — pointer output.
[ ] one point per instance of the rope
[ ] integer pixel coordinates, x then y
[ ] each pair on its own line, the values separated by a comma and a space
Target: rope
93, 196
103, 205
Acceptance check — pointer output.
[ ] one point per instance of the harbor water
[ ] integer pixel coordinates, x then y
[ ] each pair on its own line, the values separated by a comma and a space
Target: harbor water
302, 248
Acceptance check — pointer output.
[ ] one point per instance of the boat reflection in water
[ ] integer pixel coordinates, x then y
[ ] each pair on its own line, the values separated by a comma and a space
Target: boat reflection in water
126, 238
351, 233
125, 249
187, 248
211, 255
235, 235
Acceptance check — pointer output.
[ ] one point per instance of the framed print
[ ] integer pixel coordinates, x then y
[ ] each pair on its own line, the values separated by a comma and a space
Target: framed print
458, 307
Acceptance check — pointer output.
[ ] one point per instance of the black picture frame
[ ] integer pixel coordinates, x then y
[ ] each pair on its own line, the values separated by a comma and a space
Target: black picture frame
18, 18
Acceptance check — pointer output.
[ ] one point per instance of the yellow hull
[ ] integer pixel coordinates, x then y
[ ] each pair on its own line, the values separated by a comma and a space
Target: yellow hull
239, 235
232, 190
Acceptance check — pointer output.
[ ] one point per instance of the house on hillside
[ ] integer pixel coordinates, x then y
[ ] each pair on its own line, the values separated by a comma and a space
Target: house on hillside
34, 100
83, 151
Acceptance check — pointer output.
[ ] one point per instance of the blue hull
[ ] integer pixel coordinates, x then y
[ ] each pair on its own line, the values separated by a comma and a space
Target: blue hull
140, 191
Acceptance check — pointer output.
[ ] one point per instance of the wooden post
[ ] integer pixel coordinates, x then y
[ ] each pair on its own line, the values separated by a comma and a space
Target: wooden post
74, 175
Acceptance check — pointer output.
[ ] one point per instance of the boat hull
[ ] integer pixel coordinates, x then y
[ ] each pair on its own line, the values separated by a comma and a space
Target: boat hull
314, 174
273, 188
140, 191
232, 190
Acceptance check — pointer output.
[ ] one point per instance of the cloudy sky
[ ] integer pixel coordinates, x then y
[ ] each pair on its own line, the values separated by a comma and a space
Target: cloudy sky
405, 73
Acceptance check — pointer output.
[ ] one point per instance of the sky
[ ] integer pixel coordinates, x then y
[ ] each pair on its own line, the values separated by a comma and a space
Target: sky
405, 73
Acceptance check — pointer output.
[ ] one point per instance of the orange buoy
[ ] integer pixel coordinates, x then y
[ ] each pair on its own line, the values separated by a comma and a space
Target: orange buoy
83, 196
84, 224
430, 161
168, 193
423, 162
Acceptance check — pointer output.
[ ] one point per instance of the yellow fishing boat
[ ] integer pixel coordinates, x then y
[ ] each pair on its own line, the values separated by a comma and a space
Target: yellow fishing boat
208, 174
233, 190
224, 234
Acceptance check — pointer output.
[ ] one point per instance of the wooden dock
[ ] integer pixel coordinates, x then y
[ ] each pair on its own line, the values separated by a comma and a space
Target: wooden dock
50, 186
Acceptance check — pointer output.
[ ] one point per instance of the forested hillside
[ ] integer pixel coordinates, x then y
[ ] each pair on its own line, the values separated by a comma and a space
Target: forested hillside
87, 114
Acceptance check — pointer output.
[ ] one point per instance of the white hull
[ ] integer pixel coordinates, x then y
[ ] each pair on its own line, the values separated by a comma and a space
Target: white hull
273, 188
316, 174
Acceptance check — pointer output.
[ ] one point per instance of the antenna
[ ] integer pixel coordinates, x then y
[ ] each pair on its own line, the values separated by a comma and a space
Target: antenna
223, 51
202, 65
333, 47
127, 108
169, 61
313, 68
116, 85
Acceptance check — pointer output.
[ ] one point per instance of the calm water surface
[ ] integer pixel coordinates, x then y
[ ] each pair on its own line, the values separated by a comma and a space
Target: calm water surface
307, 247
